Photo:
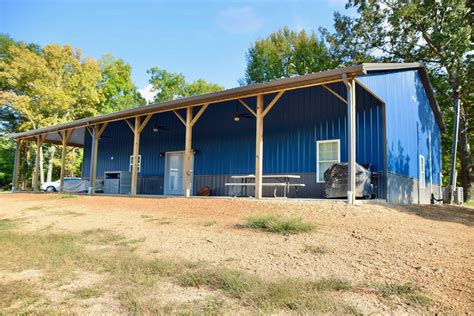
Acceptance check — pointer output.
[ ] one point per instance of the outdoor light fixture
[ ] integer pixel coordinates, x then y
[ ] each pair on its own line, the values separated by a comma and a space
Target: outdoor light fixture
195, 151
155, 128
237, 117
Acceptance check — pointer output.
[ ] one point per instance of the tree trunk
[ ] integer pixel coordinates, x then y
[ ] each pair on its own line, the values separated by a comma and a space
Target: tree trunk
41, 166
52, 151
464, 155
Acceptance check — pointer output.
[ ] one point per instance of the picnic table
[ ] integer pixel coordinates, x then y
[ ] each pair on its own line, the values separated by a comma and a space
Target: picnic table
283, 180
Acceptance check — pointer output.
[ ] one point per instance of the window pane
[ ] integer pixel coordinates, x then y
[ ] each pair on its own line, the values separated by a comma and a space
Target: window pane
328, 151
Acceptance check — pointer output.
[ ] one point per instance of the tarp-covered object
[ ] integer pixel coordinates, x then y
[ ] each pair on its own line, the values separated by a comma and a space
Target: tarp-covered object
77, 186
336, 181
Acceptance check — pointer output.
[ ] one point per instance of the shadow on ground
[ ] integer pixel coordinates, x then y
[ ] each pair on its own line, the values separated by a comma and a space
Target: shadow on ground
443, 213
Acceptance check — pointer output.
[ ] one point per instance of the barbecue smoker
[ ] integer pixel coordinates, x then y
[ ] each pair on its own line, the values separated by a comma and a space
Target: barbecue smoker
336, 181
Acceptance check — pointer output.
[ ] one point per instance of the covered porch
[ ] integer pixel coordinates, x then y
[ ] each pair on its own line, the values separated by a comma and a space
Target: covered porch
274, 128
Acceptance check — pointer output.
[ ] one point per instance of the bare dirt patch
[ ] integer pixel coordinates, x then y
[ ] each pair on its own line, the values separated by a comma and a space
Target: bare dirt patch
427, 247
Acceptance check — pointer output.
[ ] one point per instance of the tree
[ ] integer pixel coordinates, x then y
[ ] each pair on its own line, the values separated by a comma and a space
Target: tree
117, 89
286, 53
437, 33
49, 88
171, 86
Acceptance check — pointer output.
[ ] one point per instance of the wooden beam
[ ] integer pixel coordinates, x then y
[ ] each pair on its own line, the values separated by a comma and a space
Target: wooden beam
136, 149
274, 101
335, 93
187, 152
39, 143
16, 165
198, 115
89, 129
180, 117
247, 107
102, 129
130, 125
259, 147
64, 138
93, 170
145, 122
60, 135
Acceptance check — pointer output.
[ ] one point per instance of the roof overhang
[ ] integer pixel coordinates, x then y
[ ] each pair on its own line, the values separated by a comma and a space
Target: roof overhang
225, 95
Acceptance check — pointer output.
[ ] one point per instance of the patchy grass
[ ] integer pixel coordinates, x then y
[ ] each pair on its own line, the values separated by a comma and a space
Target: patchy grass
210, 223
67, 196
315, 250
6, 223
278, 224
133, 279
67, 213
146, 216
160, 221
18, 293
87, 293
406, 292
252, 291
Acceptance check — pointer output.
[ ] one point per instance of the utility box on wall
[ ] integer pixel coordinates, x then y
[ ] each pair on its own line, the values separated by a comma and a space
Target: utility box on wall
117, 182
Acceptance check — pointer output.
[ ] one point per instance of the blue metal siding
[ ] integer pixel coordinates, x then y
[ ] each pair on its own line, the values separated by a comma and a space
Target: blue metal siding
291, 129
409, 121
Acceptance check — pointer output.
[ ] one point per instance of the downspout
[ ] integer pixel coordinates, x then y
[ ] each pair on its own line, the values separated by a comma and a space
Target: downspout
351, 129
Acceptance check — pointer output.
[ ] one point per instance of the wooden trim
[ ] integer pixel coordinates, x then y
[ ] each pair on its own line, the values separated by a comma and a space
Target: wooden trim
136, 150
102, 129
247, 107
272, 103
144, 123
198, 103
89, 129
259, 148
180, 117
198, 115
335, 93
16, 166
130, 125
69, 134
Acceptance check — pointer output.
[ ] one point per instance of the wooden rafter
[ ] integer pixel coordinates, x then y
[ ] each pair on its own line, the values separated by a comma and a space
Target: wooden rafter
102, 129
130, 125
144, 123
198, 115
247, 107
180, 117
272, 103
335, 93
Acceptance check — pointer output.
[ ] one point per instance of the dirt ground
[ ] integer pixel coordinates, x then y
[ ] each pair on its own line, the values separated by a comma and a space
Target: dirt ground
367, 244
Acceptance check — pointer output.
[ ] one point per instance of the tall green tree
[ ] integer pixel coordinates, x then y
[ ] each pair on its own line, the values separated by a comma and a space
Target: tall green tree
438, 33
286, 53
171, 86
116, 86
52, 87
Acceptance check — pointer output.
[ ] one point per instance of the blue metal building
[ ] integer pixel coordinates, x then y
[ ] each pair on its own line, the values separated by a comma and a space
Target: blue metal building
306, 127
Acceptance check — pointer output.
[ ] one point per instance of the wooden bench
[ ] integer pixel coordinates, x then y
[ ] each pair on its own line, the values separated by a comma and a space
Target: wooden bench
276, 185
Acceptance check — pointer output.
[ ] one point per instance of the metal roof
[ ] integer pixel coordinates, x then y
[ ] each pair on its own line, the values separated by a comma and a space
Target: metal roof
242, 92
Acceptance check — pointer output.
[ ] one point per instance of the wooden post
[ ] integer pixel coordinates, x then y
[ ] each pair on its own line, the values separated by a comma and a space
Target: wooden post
16, 165
351, 121
65, 136
136, 146
39, 144
93, 170
187, 152
259, 147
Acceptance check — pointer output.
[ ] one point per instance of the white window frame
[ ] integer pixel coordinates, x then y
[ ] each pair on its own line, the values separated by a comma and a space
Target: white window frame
422, 166
338, 141
139, 163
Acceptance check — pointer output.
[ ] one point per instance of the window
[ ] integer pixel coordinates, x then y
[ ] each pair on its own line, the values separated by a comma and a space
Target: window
327, 154
139, 163
422, 172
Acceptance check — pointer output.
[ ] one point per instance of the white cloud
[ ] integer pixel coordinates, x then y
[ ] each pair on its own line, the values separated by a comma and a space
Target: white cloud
239, 20
147, 93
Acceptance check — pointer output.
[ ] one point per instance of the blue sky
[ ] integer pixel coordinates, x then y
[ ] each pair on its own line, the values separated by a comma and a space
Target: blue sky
201, 39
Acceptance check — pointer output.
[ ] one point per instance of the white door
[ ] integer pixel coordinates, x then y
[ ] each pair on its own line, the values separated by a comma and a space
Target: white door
174, 173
